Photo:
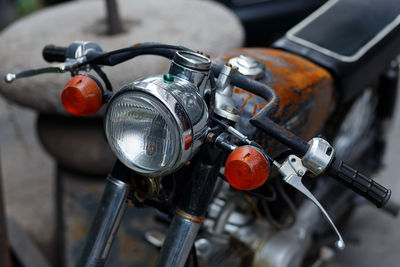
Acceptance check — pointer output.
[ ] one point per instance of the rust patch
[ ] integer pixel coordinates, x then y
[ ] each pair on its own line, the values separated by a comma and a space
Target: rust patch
306, 91
245, 102
188, 216
245, 99
255, 108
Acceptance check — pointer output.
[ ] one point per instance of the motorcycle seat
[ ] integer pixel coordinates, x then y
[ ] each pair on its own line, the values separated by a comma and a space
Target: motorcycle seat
356, 40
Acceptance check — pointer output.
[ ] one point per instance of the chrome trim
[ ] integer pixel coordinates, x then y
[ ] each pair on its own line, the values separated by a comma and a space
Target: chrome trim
192, 60
156, 99
178, 243
224, 105
291, 35
194, 69
105, 224
292, 171
79, 49
184, 104
319, 155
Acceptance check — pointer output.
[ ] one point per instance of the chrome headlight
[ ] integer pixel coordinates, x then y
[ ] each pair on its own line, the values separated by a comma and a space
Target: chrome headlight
154, 125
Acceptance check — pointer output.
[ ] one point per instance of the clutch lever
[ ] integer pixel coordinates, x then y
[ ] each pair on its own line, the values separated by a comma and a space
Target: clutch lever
10, 77
71, 65
73, 59
319, 157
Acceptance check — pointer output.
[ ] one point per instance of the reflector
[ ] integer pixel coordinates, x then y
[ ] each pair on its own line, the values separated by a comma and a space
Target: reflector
246, 168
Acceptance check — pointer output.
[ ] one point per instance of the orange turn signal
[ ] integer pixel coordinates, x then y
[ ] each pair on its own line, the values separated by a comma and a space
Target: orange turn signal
82, 95
246, 168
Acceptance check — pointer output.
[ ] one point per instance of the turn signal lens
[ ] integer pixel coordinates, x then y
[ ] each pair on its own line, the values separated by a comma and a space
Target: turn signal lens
246, 168
82, 95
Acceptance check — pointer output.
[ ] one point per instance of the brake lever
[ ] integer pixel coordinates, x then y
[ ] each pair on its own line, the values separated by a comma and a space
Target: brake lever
293, 170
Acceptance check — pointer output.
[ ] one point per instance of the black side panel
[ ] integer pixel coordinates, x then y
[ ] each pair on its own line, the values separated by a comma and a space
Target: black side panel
355, 39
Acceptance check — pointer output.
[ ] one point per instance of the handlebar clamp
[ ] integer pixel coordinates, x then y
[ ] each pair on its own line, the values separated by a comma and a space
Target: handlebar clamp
319, 155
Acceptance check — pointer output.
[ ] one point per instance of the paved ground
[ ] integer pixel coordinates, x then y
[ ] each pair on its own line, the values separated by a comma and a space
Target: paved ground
28, 185
378, 233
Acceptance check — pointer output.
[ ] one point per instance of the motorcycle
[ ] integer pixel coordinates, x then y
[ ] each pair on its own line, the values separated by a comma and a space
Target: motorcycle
233, 151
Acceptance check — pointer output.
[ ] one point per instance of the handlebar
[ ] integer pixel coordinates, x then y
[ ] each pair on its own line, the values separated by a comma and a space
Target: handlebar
52, 53
359, 183
337, 169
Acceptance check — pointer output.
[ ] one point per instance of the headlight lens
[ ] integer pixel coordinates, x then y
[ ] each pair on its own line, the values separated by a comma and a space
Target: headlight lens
142, 133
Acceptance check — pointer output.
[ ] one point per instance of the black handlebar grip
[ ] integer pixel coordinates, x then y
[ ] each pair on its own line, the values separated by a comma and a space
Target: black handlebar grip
359, 183
52, 53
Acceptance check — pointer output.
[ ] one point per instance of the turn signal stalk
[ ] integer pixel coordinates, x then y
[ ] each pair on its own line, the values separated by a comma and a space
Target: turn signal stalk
246, 168
82, 95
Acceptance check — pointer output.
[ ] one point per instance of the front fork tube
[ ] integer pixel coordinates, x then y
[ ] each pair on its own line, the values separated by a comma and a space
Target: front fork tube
189, 215
105, 224
178, 243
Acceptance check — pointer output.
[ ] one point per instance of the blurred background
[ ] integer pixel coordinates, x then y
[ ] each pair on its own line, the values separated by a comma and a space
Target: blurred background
33, 172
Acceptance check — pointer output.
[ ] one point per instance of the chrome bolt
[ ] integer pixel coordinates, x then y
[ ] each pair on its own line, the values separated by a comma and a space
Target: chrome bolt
203, 246
9, 78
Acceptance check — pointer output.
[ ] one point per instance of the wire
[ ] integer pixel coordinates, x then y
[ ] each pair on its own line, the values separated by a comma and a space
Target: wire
103, 76
289, 202
147, 45
287, 199
253, 206
267, 198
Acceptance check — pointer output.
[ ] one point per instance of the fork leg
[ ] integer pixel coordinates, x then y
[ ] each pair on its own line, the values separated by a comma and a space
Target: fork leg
105, 224
189, 215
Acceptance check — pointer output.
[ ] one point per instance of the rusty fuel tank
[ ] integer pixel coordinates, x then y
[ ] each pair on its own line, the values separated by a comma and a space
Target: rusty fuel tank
306, 93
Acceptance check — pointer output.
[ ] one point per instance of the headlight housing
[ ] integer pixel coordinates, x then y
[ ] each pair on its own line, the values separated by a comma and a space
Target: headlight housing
154, 126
